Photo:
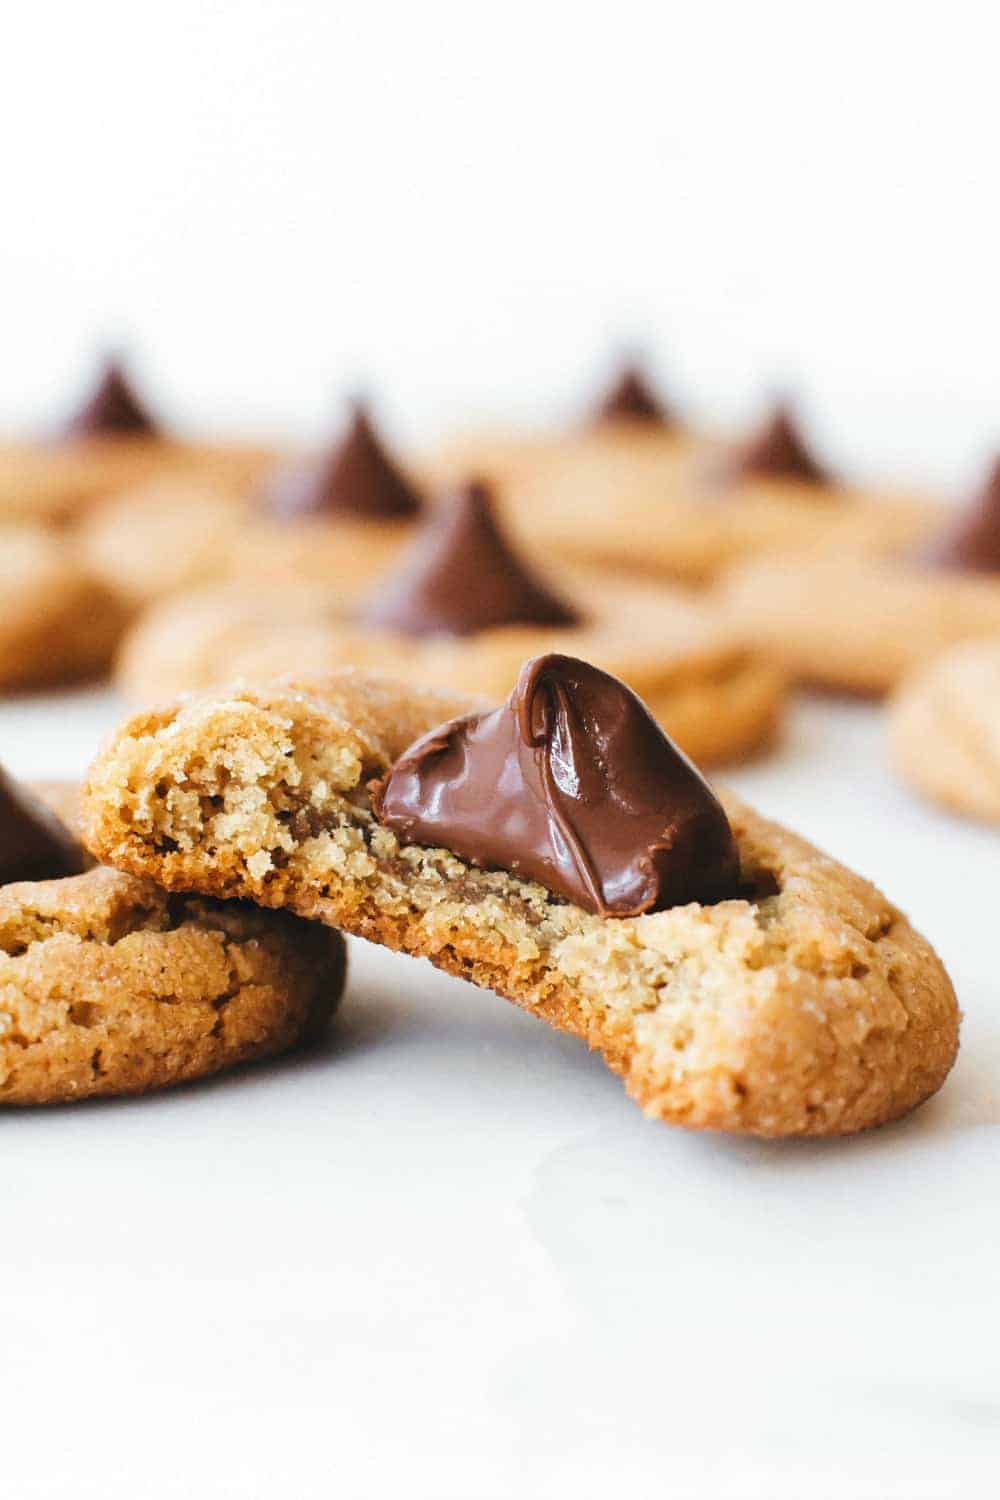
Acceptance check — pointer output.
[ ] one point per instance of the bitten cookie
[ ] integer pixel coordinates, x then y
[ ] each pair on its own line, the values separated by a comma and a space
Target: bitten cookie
108, 985
945, 729
58, 623
801, 1003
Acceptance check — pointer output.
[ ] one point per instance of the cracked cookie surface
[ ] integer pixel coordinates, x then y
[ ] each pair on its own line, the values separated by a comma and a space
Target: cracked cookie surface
108, 985
808, 1006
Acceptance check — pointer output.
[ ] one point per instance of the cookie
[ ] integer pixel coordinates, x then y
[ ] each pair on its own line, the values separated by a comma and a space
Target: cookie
664, 501
803, 1004
59, 624
778, 454
719, 699
944, 726
183, 530
171, 533
853, 625
112, 442
629, 415
188, 641
110, 986
662, 514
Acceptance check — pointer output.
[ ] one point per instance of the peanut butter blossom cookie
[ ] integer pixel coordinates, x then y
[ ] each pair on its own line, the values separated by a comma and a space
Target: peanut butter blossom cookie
657, 500
464, 609
108, 985
355, 476
562, 852
631, 399
861, 625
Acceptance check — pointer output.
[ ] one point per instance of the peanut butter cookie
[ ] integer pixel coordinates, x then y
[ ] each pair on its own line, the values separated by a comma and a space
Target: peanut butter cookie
800, 1002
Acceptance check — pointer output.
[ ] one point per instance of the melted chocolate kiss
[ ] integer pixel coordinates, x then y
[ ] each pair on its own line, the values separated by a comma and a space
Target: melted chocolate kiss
632, 399
778, 451
113, 408
972, 543
34, 844
462, 576
356, 477
571, 783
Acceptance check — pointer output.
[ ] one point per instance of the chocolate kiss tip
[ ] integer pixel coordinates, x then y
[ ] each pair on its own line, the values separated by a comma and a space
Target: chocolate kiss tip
633, 399
778, 451
972, 542
461, 576
34, 844
113, 408
354, 477
573, 784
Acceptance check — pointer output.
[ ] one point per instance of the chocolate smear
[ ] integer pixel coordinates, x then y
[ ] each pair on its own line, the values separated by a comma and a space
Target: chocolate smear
573, 784
113, 409
354, 477
777, 451
461, 575
34, 843
632, 399
972, 543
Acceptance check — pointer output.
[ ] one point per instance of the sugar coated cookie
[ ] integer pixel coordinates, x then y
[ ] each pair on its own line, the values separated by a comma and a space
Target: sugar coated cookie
793, 999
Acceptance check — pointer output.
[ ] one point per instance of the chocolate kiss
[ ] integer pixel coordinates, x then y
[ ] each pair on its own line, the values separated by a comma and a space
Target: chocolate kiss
632, 399
34, 844
461, 576
778, 451
113, 408
570, 783
355, 477
972, 543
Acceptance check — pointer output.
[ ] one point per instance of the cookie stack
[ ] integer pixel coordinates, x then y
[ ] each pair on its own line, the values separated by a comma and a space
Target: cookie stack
558, 849
332, 636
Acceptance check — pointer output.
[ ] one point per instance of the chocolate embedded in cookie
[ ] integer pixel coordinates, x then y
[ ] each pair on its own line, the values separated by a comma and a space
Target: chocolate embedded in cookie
972, 543
113, 409
34, 843
777, 451
632, 399
462, 576
571, 783
807, 1004
356, 477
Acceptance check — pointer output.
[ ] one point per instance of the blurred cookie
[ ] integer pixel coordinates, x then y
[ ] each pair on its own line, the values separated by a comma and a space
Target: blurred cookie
464, 612
58, 624
654, 512
155, 539
629, 415
859, 625
182, 530
187, 640
945, 729
112, 442
855, 626
108, 985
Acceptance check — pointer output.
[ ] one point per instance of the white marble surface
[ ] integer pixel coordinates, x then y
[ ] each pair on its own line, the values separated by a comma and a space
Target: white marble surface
447, 1259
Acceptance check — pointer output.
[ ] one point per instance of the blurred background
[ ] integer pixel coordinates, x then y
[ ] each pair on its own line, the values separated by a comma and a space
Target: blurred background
469, 210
